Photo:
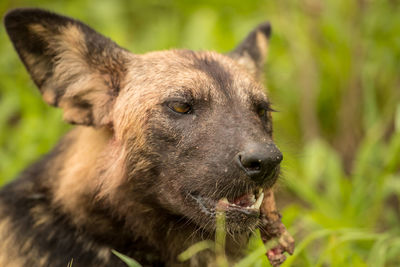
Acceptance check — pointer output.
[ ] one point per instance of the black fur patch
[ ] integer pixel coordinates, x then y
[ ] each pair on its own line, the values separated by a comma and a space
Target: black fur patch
222, 77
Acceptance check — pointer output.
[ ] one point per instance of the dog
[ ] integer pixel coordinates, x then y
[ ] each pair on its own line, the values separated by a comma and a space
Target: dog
163, 142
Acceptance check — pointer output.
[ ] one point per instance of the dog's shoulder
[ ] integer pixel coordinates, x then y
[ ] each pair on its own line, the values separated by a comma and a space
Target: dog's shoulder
38, 232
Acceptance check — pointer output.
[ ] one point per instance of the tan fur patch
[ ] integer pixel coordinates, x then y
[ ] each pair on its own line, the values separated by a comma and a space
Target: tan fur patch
78, 176
262, 44
7, 242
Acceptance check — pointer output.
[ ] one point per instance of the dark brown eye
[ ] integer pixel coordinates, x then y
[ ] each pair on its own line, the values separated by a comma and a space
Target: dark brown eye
261, 112
263, 109
180, 107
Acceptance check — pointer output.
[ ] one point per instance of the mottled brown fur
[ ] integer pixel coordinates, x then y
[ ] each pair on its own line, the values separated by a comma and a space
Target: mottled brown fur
123, 178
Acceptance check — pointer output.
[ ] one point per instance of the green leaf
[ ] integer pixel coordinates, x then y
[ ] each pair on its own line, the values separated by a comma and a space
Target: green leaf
129, 261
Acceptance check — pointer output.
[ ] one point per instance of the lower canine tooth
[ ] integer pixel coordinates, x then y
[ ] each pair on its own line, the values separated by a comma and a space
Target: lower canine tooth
224, 200
257, 205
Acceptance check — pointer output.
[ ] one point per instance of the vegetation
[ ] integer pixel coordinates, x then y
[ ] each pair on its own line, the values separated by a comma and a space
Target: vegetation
333, 74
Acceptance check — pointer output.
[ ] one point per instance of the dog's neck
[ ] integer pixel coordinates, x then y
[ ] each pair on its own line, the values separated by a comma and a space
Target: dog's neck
75, 168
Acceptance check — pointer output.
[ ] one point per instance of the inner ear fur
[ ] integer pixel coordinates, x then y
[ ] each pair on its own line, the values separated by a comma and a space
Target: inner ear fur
251, 53
73, 66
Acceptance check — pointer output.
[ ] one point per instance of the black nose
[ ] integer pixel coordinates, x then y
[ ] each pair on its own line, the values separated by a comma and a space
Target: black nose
259, 160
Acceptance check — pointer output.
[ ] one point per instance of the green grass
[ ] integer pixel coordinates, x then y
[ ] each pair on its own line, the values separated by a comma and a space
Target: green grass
130, 262
333, 74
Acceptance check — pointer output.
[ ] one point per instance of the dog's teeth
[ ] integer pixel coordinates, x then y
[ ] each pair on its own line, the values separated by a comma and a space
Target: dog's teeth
253, 198
258, 191
257, 205
224, 200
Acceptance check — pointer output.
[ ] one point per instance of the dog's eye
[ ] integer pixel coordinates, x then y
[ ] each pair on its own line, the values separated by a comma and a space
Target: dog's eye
261, 112
180, 107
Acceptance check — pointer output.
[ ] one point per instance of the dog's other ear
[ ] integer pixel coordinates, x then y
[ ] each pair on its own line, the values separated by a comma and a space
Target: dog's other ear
252, 51
74, 67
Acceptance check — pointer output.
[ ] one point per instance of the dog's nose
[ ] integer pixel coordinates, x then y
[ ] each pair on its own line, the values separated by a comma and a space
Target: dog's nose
259, 160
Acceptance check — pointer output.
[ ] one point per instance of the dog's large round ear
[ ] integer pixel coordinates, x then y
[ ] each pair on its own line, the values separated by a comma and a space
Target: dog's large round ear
251, 53
75, 68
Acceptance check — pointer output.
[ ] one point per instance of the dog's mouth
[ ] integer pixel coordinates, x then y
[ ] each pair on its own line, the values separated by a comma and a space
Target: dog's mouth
240, 205
248, 203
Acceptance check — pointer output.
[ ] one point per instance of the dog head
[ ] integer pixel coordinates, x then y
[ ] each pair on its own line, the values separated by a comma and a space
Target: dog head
191, 132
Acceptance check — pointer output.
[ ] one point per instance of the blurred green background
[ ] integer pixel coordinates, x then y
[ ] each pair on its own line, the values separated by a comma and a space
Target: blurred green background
334, 76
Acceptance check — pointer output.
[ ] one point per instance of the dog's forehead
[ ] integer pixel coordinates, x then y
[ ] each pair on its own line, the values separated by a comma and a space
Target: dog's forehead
203, 74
